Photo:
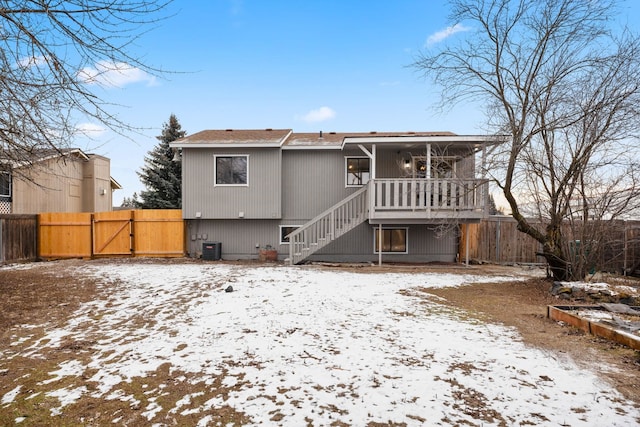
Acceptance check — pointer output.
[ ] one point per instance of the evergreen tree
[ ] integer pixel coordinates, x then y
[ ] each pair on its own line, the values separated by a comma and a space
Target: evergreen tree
131, 202
161, 175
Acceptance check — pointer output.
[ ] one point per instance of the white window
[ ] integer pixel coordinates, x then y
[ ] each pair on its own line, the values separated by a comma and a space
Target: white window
394, 240
232, 169
441, 167
357, 171
5, 184
284, 232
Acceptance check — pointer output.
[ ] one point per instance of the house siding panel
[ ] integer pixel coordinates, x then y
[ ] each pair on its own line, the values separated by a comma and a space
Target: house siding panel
96, 192
424, 245
239, 238
261, 199
313, 181
53, 186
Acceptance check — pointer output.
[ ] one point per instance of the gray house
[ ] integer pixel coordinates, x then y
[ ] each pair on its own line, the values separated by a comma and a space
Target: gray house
341, 197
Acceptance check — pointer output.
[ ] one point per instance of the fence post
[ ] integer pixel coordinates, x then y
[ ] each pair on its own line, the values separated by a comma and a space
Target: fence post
498, 240
624, 250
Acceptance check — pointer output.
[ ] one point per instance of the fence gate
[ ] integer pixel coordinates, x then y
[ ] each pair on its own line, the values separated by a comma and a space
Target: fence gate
112, 233
142, 232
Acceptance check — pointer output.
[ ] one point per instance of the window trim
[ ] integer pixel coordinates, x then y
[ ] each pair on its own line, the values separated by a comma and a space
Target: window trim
346, 171
406, 240
9, 181
215, 170
280, 236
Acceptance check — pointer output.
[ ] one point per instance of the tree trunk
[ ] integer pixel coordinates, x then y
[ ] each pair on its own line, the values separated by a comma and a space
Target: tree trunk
558, 265
554, 254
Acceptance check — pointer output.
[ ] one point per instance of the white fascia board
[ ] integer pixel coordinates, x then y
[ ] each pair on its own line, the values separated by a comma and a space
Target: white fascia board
312, 147
81, 154
115, 184
208, 145
469, 139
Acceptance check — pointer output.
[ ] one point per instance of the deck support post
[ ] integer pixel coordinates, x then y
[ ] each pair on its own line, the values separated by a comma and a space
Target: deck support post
380, 244
466, 244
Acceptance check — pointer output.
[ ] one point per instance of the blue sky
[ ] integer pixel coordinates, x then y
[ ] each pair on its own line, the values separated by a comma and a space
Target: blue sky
331, 65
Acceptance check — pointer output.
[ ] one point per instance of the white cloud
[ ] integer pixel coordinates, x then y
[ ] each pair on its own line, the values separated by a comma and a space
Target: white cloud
320, 115
116, 74
32, 61
90, 129
443, 34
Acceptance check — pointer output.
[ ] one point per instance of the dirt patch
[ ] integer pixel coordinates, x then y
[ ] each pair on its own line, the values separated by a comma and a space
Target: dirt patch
523, 305
30, 296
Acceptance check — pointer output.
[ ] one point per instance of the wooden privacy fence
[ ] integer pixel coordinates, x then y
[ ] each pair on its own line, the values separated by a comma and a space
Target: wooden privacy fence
497, 240
154, 232
18, 238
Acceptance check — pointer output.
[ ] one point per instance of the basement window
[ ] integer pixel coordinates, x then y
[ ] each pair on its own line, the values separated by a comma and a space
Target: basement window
232, 170
394, 240
285, 230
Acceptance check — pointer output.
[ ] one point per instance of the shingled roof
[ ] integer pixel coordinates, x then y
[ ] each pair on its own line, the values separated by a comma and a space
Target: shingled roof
233, 137
284, 137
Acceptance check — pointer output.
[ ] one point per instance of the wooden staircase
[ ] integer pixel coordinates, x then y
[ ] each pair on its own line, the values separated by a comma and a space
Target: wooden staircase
328, 226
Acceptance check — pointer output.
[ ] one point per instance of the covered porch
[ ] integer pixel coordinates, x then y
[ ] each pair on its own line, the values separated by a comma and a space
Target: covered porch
410, 179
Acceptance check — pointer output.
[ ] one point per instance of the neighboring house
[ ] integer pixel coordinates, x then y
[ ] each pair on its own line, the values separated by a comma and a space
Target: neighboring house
330, 196
68, 180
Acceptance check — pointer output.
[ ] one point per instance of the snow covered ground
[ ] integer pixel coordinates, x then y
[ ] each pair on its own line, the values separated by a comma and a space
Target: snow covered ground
301, 346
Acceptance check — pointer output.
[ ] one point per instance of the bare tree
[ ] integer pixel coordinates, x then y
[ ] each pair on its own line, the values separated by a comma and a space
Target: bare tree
557, 78
54, 55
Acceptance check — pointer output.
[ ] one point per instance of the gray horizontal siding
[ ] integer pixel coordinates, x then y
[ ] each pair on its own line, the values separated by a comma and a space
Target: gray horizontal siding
425, 245
312, 181
261, 199
239, 238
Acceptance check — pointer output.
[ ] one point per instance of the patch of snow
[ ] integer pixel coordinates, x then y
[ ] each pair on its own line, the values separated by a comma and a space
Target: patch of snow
66, 396
602, 286
186, 400
68, 368
152, 409
19, 340
331, 346
10, 395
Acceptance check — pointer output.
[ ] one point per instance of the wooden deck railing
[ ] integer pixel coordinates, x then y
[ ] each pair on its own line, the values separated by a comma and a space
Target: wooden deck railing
458, 197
